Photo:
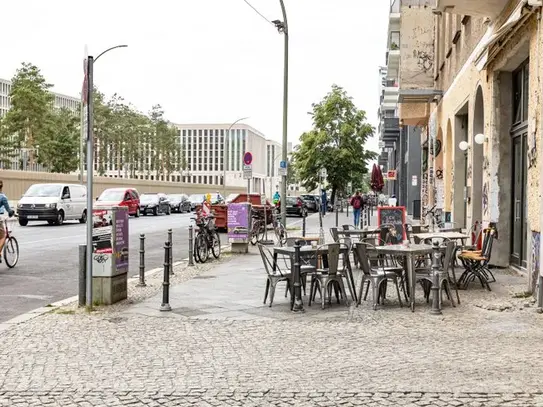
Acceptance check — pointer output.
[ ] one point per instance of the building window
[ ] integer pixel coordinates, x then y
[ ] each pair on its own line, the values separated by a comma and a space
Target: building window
521, 81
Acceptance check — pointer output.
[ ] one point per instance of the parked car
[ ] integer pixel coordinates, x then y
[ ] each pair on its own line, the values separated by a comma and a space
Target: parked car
154, 203
128, 197
195, 200
53, 203
179, 203
295, 206
312, 202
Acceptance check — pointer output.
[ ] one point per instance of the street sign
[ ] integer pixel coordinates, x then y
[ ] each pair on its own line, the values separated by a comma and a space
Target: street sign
247, 171
247, 158
283, 164
391, 175
283, 168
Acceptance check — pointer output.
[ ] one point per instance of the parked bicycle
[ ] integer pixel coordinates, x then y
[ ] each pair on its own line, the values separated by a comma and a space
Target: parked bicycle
279, 229
207, 239
258, 228
11, 246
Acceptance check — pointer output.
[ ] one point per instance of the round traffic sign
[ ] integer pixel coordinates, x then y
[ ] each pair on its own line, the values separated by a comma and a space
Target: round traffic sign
247, 158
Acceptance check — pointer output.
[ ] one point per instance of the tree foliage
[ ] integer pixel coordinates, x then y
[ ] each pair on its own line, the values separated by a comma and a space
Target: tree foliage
336, 143
125, 139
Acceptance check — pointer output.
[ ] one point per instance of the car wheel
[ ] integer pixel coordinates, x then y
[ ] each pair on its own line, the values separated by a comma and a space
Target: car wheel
137, 215
23, 221
83, 218
155, 211
180, 208
168, 210
60, 218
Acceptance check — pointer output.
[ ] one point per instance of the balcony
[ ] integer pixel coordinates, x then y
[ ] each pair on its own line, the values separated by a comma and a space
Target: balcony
395, 12
393, 54
477, 8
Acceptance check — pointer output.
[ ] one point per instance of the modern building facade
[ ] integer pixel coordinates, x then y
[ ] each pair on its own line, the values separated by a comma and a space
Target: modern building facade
211, 152
399, 143
471, 76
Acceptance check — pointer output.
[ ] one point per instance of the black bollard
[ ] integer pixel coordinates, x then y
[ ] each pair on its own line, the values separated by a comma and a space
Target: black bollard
166, 283
436, 262
141, 283
191, 248
82, 275
298, 305
303, 224
171, 250
337, 214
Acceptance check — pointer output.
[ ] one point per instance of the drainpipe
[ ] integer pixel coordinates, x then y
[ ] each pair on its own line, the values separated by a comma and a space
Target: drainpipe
540, 162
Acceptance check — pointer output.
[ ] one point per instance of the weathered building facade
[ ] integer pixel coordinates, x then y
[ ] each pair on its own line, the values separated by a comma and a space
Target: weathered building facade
480, 102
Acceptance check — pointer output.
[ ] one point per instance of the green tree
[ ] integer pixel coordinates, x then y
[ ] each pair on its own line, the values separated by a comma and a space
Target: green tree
8, 146
336, 143
164, 145
31, 104
59, 148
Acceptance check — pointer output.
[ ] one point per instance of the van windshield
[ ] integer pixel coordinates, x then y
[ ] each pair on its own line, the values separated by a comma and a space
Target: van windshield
44, 190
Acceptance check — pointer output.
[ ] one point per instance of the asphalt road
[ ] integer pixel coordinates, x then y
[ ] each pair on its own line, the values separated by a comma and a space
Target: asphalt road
48, 265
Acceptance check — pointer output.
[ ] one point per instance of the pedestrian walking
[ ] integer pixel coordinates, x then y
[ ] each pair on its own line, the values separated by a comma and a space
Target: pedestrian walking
357, 202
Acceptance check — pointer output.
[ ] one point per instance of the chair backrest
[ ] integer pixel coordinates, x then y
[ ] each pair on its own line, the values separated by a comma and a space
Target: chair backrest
450, 249
361, 250
348, 227
267, 259
333, 258
487, 247
334, 233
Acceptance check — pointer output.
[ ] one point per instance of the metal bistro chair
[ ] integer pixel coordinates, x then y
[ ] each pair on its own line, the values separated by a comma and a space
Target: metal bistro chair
476, 263
275, 274
373, 276
426, 275
326, 277
335, 234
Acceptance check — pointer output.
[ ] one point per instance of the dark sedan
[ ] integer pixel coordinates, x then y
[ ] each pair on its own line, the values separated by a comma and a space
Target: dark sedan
179, 203
295, 206
155, 204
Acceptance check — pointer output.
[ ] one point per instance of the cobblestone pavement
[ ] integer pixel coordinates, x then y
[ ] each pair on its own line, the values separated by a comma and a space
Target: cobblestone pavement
481, 353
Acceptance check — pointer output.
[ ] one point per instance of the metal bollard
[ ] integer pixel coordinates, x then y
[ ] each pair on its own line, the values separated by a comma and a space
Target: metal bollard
191, 248
141, 283
82, 275
297, 305
436, 262
336, 209
171, 250
166, 283
540, 295
303, 224
347, 209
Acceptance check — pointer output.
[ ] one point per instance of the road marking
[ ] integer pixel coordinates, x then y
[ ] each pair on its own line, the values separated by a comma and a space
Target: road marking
29, 296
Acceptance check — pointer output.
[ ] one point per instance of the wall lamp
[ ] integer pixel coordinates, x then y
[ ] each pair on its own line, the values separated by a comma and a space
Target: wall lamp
479, 139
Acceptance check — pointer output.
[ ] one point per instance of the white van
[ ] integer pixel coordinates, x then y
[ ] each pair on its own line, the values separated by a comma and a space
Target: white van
53, 203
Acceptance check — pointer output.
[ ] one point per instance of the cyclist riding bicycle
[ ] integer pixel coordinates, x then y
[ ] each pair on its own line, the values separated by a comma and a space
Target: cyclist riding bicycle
4, 206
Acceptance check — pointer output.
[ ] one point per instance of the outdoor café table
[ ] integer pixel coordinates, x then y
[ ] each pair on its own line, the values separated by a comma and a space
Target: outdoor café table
361, 233
444, 235
410, 252
308, 251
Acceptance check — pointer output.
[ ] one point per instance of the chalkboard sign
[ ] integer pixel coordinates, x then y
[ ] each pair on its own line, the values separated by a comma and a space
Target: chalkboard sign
392, 215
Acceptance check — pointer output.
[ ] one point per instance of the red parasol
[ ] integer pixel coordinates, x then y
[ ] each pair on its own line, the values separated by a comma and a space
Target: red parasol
377, 183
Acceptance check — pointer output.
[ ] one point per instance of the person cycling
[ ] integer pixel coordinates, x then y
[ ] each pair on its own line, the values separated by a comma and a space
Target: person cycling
4, 206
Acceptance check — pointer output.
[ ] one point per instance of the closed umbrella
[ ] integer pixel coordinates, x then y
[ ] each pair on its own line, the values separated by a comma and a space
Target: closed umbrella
377, 182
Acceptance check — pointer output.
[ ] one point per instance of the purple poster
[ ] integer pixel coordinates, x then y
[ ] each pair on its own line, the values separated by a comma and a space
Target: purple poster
238, 221
121, 241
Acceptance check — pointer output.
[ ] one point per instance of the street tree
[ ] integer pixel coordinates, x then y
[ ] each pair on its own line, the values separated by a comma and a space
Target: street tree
31, 104
165, 144
8, 146
335, 143
59, 148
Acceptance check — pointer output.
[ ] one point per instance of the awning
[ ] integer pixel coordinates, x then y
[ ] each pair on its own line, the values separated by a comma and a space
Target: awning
520, 12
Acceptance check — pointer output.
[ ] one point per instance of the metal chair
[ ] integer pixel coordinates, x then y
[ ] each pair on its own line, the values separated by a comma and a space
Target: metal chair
476, 263
373, 276
334, 233
325, 277
275, 274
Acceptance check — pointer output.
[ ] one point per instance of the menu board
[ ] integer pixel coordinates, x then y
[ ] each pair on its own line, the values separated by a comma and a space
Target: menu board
392, 215
238, 221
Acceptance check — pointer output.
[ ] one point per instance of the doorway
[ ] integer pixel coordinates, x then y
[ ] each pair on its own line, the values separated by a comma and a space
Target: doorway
519, 150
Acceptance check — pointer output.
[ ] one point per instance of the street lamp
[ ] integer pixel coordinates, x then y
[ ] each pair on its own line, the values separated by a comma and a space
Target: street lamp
225, 157
282, 27
90, 163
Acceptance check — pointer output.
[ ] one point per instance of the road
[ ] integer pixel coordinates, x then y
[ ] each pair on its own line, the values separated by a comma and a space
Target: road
48, 266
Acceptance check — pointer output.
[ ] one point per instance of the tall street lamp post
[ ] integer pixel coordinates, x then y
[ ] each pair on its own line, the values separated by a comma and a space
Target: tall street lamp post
90, 163
225, 156
282, 27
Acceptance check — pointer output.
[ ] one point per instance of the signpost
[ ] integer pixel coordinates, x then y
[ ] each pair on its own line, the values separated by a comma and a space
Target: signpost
248, 171
283, 168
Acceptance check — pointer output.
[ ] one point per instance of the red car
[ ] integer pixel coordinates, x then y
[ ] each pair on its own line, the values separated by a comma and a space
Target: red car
128, 197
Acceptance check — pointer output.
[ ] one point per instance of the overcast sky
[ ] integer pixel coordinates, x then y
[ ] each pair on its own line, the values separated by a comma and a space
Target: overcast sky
205, 61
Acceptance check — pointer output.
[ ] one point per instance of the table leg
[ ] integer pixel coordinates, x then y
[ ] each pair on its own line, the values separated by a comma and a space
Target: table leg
412, 280
351, 277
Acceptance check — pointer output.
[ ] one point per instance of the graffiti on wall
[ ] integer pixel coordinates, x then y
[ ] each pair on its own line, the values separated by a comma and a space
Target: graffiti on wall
534, 271
485, 199
424, 198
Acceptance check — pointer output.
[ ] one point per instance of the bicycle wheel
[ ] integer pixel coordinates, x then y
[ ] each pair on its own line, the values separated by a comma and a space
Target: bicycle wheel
215, 245
281, 233
195, 251
201, 248
261, 232
254, 232
11, 252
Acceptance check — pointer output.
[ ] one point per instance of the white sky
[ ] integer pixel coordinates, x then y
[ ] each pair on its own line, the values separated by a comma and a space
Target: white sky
205, 61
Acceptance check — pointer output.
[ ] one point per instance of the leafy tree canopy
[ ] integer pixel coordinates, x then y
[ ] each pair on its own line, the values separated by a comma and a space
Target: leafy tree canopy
336, 143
